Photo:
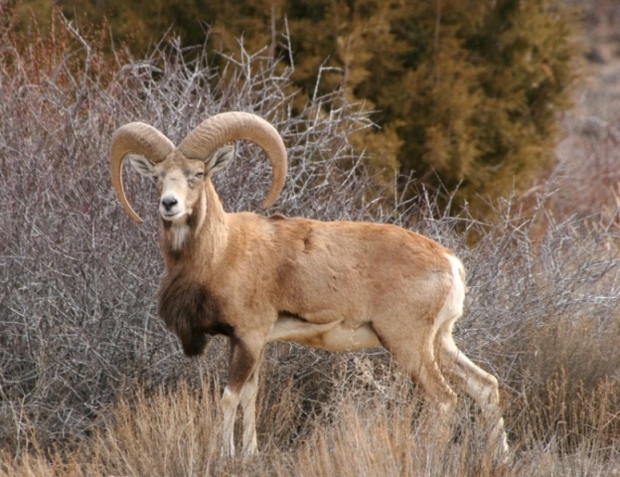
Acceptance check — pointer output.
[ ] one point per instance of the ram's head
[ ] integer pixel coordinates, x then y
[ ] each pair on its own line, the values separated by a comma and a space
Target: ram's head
180, 172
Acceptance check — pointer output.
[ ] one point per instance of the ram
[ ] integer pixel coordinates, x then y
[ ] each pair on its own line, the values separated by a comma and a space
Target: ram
256, 279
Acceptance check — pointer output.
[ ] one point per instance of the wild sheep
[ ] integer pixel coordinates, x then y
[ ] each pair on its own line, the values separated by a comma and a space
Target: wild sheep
255, 279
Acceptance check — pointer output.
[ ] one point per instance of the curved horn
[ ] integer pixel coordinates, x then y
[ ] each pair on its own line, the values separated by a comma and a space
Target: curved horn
223, 128
140, 139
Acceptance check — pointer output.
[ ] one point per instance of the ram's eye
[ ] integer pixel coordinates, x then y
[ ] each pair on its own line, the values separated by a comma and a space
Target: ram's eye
199, 175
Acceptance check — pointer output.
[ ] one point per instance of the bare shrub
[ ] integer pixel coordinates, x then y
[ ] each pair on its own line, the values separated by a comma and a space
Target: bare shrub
77, 279
77, 284
545, 307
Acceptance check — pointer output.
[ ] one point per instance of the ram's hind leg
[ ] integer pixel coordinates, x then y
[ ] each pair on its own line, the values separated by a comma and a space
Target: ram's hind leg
415, 354
480, 385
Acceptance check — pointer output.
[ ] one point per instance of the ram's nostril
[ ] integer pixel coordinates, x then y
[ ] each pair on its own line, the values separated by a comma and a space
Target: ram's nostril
168, 203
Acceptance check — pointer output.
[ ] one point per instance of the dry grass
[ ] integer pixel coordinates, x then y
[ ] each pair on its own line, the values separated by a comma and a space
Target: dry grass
91, 383
178, 433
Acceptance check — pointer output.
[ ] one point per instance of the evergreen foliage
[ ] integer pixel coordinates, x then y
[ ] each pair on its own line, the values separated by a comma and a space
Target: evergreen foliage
465, 93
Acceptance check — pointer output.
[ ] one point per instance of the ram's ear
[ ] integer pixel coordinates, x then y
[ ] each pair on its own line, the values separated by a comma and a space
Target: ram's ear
220, 159
141, 164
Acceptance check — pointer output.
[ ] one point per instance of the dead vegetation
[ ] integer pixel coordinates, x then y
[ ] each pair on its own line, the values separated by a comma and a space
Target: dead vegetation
92, 384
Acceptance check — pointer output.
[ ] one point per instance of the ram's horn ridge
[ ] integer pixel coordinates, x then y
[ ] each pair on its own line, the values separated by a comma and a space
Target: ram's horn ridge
140, 139
223, 128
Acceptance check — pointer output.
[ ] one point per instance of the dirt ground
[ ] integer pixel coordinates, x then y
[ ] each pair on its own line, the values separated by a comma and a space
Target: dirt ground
587, 176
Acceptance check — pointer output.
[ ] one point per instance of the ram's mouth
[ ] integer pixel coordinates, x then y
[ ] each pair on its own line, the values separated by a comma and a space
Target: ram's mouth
172, 216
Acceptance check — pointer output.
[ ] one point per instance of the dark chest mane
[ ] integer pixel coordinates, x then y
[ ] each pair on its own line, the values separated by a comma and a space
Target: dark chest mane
190, 311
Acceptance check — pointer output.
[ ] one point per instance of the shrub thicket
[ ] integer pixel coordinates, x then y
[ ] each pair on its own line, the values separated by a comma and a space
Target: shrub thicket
89, 378
464, 92
77, 280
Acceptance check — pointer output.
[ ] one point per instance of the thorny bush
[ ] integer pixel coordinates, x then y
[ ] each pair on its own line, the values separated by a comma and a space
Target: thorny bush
77, 279
77, 315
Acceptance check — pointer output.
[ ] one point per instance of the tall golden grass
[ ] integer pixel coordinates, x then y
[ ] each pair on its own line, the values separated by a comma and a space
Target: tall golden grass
178, 433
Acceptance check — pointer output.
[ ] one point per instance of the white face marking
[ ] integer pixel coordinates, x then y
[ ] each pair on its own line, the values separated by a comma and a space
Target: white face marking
173, 196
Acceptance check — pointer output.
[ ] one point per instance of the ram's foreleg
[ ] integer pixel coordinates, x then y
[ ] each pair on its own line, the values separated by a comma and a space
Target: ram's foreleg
248, 404
245, 360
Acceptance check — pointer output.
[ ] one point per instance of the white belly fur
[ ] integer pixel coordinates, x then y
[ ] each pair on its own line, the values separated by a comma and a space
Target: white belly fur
330, 336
